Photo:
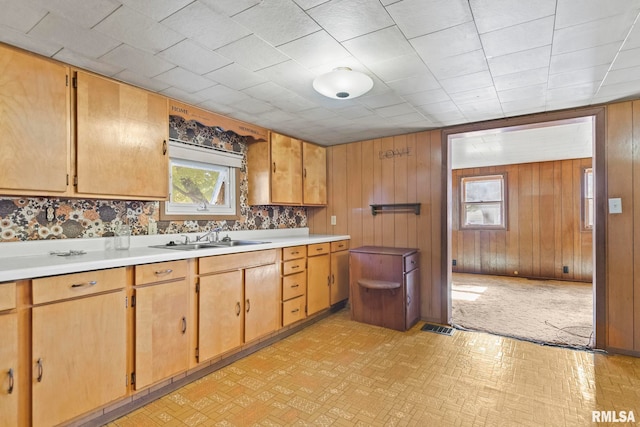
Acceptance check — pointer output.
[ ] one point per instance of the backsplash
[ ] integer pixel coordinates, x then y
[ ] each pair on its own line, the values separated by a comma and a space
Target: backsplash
40, 218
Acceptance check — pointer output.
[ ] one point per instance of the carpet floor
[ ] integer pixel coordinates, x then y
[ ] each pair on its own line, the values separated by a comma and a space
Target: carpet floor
549, 311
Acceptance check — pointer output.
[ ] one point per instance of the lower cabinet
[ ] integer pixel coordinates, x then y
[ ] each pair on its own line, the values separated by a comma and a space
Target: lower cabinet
161, 312
8, 356
339, 271
79, 358
262, 301
294, 284
318, 277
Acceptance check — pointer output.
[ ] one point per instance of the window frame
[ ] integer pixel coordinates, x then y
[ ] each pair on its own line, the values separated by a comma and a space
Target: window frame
503, 203
182, 152
584, 198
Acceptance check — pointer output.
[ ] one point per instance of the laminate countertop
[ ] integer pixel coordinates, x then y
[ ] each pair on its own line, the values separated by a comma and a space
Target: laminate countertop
27, 260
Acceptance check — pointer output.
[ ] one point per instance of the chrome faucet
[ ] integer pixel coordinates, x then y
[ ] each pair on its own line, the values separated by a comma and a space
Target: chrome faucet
207, 236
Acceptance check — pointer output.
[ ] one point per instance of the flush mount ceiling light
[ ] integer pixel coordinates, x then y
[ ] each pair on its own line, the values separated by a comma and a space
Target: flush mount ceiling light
343, 83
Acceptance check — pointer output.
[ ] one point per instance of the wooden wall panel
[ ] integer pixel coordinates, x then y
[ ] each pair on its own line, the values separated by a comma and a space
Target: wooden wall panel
401, 169
635, 207
543, 230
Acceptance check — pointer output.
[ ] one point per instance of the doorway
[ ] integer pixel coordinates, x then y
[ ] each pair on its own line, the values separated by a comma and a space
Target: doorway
529, 257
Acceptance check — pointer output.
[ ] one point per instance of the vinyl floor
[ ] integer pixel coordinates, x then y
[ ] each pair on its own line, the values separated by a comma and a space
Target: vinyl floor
337, 372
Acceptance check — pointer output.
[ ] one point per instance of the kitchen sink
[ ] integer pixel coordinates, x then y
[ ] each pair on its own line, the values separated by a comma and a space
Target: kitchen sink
206, 245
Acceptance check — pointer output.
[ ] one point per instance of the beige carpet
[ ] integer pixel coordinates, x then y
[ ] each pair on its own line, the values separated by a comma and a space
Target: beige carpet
549, 311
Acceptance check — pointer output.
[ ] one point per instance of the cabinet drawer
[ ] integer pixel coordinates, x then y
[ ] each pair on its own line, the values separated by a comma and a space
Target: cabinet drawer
66, 286
294, 285
318, 249
293, 310
7, 296
340, 245
160, 272
411, 262
218, 263
293, 266
294, 252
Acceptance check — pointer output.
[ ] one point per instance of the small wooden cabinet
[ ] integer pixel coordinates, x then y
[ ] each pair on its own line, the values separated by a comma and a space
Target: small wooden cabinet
161, 310
339, 271
8, 356
286, 171
34, 124
78, 344
384, 286
318, 277
294, 284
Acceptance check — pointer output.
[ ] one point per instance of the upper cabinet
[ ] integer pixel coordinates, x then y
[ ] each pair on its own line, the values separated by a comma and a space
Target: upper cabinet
122, 134
286, 171
34, 124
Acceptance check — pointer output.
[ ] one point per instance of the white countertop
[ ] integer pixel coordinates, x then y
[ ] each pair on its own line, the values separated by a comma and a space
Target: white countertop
26, 260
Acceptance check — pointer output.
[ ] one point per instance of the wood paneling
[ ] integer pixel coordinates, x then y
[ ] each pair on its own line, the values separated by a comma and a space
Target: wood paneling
401, 169
543, 226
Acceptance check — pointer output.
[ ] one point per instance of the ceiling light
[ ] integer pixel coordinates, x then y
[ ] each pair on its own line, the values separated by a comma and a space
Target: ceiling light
343, 83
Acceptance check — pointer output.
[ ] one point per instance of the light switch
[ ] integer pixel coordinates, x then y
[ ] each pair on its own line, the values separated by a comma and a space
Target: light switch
615, 206
333, 220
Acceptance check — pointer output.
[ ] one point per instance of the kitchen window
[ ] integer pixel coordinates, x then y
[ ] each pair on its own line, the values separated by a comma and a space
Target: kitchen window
482, 202
587, 199
203, 183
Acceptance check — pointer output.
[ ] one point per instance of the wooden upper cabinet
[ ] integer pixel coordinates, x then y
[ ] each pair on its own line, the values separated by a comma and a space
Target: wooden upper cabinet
122, 136
286, 171
34, 124
314, 174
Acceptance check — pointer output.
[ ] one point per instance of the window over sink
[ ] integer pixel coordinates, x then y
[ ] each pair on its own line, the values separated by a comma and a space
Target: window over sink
203, 183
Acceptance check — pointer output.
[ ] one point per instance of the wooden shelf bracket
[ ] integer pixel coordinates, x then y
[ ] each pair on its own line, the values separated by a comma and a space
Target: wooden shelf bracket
397, 207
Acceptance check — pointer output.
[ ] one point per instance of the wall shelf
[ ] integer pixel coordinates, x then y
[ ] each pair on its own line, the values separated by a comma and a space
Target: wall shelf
397, 207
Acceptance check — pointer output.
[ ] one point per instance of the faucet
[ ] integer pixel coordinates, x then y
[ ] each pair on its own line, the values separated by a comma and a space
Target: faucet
207, 235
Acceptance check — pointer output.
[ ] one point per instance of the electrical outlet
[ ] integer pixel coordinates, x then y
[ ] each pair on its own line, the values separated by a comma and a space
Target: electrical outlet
333, 220
50, 214
152, 228
455, 262
565, 269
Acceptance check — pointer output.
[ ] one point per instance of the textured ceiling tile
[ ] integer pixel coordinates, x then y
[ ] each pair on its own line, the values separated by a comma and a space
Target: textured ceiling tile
571, 13
346, 19
156, 9
203, 25
253, 106
585, 58
401, 119
252, 53
378, 101
619, 90
467, 82
21, 16
70, 57
520, 61
138, 30
136, 79
137, 61
184, 96
236, 77
395, 110
414, 84
576, 92
355, 111
426, 97
81, 12
79, 39
223, 95
399, 68
518, 38
527, 92
483, 94
633, 39
315, 49
419, 17
459, 65
449, 42
230, 7
622, 75
192, 56
627, 58
185, 80
495, 14
265, 19
521, 79
268, 91
215, 107
592, 34
380, 45
31, 43
585, 75
308, 4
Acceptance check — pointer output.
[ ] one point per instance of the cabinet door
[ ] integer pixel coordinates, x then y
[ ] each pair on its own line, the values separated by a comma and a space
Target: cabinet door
314, 174
412, 281
34, 124
318, 281
286, 170
79, 356
8, 367
261, 298
162, 345
220, 314
122, 139
339, 276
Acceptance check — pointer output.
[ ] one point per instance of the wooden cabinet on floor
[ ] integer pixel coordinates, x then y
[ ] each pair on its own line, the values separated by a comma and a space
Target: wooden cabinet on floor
34, 124
262, 301
318, 277
122, 134
339, 271
78, 344
8, 356
161, 312
294, 284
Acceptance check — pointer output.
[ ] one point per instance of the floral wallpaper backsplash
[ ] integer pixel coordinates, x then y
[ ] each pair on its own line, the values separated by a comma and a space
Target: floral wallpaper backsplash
40, 218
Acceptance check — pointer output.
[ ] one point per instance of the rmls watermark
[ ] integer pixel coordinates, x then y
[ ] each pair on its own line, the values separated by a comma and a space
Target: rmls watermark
613, 417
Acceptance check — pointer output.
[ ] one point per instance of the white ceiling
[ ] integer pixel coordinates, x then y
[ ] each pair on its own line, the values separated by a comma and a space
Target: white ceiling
434, 62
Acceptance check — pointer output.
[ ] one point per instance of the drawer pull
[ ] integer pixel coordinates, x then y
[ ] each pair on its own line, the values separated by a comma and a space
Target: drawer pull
82, 285
413, 261
248, 305
184, 325
10, 389
295, 253
238, 308
295, 310
319, 249
40, 370
295, 286
341, 246
293, 267
274, 167
161, 272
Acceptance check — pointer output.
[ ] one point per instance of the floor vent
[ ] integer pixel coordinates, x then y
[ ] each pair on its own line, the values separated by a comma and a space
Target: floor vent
443, 330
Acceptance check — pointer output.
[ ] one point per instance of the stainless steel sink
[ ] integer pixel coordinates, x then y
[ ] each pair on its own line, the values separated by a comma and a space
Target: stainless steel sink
206, 245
